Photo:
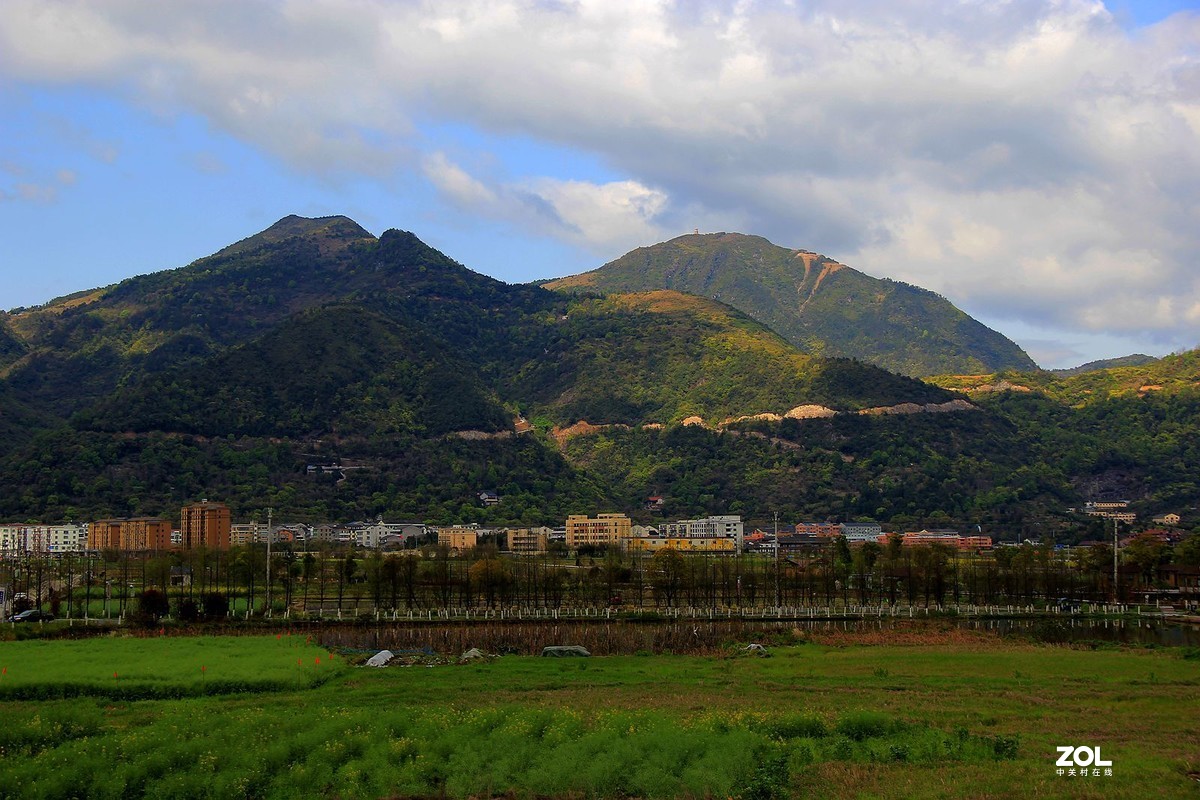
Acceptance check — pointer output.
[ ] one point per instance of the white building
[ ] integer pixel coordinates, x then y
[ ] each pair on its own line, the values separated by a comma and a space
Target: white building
18, 539
247, 533
719, 527
387, 534
861, 531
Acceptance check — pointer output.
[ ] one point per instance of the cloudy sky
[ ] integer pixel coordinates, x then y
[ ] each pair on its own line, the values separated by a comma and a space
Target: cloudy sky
1036, 161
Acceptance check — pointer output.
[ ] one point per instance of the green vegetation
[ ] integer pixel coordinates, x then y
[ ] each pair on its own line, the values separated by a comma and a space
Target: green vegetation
811, 721
822, 307
1172, 375
314, 343
162, 667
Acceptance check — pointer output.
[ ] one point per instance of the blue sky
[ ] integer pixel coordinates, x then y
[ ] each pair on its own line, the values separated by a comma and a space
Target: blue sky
1035, 161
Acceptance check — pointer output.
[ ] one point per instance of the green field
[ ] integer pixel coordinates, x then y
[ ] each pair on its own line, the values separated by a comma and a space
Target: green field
264, 719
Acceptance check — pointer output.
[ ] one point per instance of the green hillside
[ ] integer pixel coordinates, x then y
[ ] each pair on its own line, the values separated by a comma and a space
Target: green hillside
11, 348
340, 370
1170, 375
665, 356
315, 344
819, 305
1135, 360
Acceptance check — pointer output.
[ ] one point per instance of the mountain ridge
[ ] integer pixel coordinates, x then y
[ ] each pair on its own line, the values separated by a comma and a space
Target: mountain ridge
312, 344
818, 304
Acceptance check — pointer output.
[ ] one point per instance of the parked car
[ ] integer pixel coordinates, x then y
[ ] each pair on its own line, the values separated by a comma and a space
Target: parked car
32, 615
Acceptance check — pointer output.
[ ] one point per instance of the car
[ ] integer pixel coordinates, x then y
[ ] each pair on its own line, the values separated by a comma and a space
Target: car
32, 615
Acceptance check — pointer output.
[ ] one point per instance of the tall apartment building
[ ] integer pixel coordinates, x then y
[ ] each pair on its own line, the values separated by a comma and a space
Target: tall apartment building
603, 529
205, 524
136, 534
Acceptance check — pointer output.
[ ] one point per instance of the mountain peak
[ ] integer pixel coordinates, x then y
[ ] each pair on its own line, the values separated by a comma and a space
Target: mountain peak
334, 230
821, 306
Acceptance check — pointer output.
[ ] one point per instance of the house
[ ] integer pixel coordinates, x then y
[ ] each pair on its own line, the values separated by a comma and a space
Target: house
1118, 510
1167, 519
1184, 579
489, 498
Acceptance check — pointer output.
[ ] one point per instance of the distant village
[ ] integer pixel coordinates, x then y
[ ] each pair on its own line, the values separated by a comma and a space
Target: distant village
209, 525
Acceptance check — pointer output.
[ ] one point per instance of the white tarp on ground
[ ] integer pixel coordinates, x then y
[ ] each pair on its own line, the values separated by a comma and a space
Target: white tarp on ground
471, 654
380, 659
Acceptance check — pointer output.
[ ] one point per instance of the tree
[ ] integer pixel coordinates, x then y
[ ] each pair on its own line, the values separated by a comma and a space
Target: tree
153, 604
1147, 552
1187, 552
491, 576
667, 573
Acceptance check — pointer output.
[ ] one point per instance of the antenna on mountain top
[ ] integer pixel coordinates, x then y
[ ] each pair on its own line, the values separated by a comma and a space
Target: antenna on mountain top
697, 231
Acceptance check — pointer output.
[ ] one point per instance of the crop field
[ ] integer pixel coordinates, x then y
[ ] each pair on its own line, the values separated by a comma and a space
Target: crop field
277, 716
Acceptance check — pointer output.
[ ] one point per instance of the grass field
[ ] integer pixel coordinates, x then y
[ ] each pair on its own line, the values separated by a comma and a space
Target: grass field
965, 719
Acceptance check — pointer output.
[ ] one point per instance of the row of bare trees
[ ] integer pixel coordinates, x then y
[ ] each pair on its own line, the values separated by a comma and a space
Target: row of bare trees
339, 580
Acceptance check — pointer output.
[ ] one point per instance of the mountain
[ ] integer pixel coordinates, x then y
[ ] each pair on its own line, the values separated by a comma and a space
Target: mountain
1177, 374
1135, 360
314, 340
332, 374
823, 307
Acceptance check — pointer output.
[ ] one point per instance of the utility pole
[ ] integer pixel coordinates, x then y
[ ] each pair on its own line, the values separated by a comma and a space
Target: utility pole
778, 597
1116, 594
270, 511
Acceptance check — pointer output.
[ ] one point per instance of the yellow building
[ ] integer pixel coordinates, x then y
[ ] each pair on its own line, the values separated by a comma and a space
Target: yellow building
528, 540
138, 534
685, 544
603, 530
205, 524
457, 538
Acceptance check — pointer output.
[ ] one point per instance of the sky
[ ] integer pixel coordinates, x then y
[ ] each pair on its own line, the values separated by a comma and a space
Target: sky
1037, 162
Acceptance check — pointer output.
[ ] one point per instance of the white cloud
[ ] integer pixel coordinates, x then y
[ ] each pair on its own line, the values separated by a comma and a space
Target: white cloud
597, 216
43, 189
1031, 157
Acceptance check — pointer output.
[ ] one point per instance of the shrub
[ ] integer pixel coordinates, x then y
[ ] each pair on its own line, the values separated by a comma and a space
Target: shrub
770, 777
863, 725
1005, 747
799, 726
216, 605
152, 604
189, 611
